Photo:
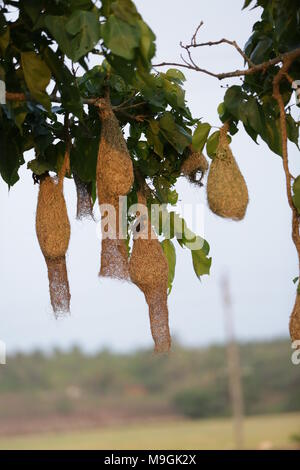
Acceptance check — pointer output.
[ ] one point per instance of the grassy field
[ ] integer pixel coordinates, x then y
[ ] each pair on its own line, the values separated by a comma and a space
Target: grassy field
273, 431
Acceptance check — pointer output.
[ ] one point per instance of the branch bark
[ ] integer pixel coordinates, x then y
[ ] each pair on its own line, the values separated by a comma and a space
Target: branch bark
283, 126
295, 316
236, 73
20, 97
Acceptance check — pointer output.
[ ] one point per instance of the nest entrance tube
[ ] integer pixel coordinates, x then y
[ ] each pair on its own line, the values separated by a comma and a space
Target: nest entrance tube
159, 320
84, 200
114, 253
58, 284
114, 260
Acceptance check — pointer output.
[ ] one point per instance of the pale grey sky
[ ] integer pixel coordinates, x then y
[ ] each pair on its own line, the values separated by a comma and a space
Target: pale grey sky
257, 253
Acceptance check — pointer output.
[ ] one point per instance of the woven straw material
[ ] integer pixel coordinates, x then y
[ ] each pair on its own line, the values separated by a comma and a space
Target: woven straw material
195, 163
84, 200
227, 191
149, 271
114, 253
114, 260
114, 166
53, 233
58, 284
52, 222
114, 178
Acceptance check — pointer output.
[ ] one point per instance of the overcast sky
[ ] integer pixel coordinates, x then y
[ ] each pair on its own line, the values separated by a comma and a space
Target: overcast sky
257, 253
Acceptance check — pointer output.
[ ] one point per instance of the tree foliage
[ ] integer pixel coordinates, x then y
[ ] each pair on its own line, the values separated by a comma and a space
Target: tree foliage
46, 54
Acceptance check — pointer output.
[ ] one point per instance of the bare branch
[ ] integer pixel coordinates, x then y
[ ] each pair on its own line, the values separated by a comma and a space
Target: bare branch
223, 41
194, 37
236, 73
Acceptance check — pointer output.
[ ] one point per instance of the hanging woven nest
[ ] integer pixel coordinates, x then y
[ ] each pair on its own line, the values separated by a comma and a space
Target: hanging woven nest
227, 191
114, 178
149, 271
53, 233
194, 165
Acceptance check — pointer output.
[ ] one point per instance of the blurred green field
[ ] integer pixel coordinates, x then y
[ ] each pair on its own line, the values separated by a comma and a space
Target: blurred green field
261, 432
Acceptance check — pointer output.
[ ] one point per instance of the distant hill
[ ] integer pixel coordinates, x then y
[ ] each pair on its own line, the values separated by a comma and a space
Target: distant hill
64, 387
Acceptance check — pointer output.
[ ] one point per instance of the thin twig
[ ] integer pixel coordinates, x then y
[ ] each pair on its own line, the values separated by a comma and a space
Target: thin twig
194, 37
223, 41
236, 73
136, 105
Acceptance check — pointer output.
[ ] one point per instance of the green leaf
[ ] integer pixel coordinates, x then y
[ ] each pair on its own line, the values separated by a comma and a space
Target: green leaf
39, 167
232, 101
154, 139
142, 150
91, 83
70, 94
76, 35
292, 130
175, 134
11, 155
221, 110
251, 133
170, 253
296, 193
251, 115
20, 112
84, 158
37, 77
147, 45
125, 68
174, 94
212, 144
172, 197
201, 262
262, 50
84, 28
272, 134
200, 136
176, 75
56, 26
120, 37
33, 9
125, 10
54, 155
4, 41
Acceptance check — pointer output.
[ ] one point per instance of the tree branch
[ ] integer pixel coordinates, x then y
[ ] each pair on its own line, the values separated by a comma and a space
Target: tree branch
194, 44
283, 126
57, 99
236, 73
53, 98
